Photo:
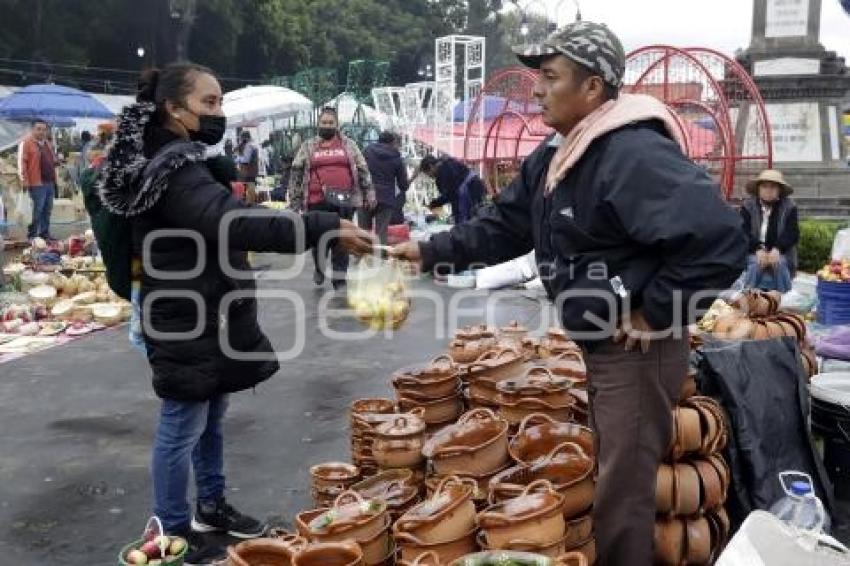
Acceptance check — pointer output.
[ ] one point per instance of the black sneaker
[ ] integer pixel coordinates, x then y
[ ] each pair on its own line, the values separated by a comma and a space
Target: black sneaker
340, 285
201, 551
222, 517
318, 278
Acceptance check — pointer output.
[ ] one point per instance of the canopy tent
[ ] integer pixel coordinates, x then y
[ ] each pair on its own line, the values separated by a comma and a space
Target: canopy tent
51, 103
252, 105
350, 110
11, 133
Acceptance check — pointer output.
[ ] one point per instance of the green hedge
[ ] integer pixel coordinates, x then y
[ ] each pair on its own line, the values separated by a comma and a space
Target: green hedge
816, 238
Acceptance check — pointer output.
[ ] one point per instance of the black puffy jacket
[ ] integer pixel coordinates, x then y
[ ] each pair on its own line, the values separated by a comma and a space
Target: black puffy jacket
633, 224
185, 287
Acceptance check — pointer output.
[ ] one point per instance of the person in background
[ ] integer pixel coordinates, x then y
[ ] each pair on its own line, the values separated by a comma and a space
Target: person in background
772, 227
458, 185
329, 173
37, 170
248, 162
105, 135
389, 177
83, 160
631, 238
157, 179
228, 148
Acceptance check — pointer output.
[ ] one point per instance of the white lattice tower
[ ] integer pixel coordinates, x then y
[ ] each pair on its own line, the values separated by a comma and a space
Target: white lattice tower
448, 49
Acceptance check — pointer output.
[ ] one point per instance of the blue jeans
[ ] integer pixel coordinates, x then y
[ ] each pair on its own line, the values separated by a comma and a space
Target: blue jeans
768, 279
188, 432
42, 208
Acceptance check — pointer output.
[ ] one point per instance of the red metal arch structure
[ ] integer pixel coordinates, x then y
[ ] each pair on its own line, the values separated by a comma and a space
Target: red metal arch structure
720, 110
719, 105
509, 129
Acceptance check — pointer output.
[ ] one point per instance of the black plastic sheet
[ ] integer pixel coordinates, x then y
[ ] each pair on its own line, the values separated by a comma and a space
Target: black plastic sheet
763, 388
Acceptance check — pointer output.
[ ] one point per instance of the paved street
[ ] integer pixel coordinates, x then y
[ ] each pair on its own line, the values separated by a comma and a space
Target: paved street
78, 421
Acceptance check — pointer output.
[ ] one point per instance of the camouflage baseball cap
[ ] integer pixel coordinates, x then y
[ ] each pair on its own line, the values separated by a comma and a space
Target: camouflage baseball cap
590, 44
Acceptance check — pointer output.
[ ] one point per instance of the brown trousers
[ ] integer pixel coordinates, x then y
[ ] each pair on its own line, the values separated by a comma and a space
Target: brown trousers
631, 395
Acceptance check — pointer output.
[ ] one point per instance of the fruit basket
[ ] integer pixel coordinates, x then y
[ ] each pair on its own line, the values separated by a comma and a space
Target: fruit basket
154, 548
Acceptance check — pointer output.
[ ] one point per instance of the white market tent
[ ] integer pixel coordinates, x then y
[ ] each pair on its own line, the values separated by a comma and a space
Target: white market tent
254, 104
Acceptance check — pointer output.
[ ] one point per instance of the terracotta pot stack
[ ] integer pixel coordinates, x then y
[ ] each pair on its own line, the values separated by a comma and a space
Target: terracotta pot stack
329, 480
692, 525
364, 416
435, 389
756, 316
538, 391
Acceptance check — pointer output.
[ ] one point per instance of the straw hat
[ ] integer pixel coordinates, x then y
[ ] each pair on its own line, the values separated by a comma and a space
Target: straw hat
771, 175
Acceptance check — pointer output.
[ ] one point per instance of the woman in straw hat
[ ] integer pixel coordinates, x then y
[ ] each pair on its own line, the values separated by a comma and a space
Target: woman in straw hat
770, 221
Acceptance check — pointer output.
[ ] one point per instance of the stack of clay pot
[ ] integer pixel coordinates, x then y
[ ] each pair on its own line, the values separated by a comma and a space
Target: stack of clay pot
564, 455
470, 342
484, 374
398, 446
516, 337
476, 447
692, 525
756, 316
329, 480
435, 389
365, 415
352, 518
537, 391
444, 524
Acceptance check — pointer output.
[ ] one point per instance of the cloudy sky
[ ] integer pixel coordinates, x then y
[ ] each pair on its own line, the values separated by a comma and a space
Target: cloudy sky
720, 24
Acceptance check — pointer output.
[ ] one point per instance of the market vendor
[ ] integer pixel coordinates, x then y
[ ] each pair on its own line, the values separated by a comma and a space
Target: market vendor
156, 178
627, 231
457, 184
37, 168
773, 231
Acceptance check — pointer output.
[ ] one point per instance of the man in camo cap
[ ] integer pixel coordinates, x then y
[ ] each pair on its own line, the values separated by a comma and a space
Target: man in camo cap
629, 237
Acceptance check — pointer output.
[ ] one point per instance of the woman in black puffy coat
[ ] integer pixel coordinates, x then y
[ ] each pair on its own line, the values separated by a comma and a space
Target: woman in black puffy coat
190, 240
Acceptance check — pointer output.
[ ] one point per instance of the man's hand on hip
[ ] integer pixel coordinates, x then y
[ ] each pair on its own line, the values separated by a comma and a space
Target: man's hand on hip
634, 330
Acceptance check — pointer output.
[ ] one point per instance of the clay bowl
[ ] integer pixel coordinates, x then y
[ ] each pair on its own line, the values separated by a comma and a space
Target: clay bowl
687, 489
330, 554
539, 434
436, 411
567, 468
687, 432
569, 364
398, 495
440, 378
664, 494
398, 444
351, 518
494, 366
379, 406
378, 485
538, 384
330, 475
480, 497
556, 342
535, 516
265, 552
467, 351
476, 445
711, 486
378, 547
515, 412
446, 515
410, 547
484, 391
474, 401
697, 541
669, 542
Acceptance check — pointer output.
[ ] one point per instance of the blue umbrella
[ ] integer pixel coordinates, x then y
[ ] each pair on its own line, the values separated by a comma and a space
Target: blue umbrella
51, 102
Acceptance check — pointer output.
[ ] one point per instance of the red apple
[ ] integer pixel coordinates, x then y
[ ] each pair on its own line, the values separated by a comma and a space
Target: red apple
136, 557
150, 534
178, 545
151, 549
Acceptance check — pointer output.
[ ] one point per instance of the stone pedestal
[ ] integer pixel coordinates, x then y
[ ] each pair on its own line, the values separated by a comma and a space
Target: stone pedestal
805, 88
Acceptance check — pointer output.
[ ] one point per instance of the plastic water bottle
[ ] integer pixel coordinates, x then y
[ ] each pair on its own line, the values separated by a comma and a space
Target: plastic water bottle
801, 508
